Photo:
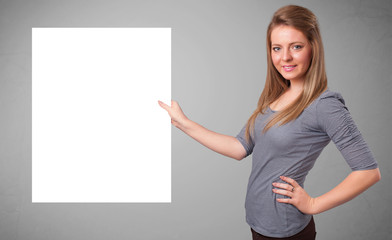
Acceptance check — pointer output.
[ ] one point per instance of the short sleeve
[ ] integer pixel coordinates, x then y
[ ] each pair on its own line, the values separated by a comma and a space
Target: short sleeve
248, 146
335, 120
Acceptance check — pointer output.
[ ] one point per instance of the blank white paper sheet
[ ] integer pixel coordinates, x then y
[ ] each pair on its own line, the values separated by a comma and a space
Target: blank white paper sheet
98, 133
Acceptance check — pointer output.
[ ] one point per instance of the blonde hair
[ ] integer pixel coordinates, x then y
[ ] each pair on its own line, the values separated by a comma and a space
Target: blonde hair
315, 82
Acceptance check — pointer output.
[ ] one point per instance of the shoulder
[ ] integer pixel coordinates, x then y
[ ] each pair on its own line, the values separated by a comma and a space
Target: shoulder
324, 109
326, 100
328, 96
331, 112
329, 101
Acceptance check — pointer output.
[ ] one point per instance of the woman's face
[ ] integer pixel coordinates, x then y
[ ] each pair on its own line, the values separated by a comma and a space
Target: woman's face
291, 52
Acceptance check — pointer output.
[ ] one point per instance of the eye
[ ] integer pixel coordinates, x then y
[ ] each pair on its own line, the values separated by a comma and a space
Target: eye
296, 47
276, 49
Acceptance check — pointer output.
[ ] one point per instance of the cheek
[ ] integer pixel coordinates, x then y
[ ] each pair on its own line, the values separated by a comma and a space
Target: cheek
304, 58
307, 58
275, 60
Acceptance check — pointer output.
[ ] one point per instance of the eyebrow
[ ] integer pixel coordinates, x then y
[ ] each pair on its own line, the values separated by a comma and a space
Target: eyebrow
276, 44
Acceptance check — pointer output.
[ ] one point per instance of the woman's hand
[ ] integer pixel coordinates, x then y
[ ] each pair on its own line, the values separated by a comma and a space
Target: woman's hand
298, 196
353, 185
175, 112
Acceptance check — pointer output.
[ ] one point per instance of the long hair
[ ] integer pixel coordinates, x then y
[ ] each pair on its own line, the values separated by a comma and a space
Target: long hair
315, 82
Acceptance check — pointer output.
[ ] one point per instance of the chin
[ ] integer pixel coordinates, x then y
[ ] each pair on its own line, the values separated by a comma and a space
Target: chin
289, 76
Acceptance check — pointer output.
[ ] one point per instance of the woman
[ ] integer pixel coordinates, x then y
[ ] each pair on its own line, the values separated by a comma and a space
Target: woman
295, 119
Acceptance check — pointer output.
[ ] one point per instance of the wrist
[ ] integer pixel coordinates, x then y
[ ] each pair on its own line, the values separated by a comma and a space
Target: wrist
316, 208
185, 125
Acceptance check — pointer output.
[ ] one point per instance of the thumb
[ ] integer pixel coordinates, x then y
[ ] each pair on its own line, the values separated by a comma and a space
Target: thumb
174, 103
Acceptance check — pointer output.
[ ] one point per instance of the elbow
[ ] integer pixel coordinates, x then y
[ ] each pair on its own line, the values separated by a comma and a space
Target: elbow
377, 175
238, 154
239, 157
238, 150
368, 177
374, 176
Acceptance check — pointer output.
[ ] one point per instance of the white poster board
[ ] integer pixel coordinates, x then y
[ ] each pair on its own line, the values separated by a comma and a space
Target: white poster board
98, 133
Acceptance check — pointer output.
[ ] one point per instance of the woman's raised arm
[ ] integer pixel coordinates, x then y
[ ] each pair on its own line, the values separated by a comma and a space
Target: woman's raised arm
220, 143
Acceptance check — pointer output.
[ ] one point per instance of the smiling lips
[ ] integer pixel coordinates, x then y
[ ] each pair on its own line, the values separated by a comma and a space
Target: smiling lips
289, 68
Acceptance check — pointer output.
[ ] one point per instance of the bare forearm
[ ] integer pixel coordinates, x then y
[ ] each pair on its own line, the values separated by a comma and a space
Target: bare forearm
220, 143
223, 144
353, 185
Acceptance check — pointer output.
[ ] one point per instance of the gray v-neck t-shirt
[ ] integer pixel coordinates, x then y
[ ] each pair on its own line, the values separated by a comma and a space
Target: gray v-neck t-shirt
291, 150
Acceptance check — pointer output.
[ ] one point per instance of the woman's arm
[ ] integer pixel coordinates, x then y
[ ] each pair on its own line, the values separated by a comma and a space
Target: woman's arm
334, 119
220, 143
353, 185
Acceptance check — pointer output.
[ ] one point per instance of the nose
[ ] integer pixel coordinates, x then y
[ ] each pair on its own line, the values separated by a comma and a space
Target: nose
287, 55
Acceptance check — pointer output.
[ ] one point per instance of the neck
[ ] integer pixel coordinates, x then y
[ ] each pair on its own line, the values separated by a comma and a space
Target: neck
296, 86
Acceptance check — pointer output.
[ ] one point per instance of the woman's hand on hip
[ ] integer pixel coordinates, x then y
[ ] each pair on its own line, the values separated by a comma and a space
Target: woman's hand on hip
297, 195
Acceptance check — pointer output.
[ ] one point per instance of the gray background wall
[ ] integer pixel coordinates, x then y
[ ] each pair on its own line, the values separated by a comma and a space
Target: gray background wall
218, 72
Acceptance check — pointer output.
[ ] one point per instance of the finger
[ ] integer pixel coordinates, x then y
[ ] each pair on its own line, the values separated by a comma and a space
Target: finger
283, 186
164, 105
285, 200
290, 180
283, 192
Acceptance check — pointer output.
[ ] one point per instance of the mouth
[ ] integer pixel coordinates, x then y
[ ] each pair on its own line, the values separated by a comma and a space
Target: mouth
289, 68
